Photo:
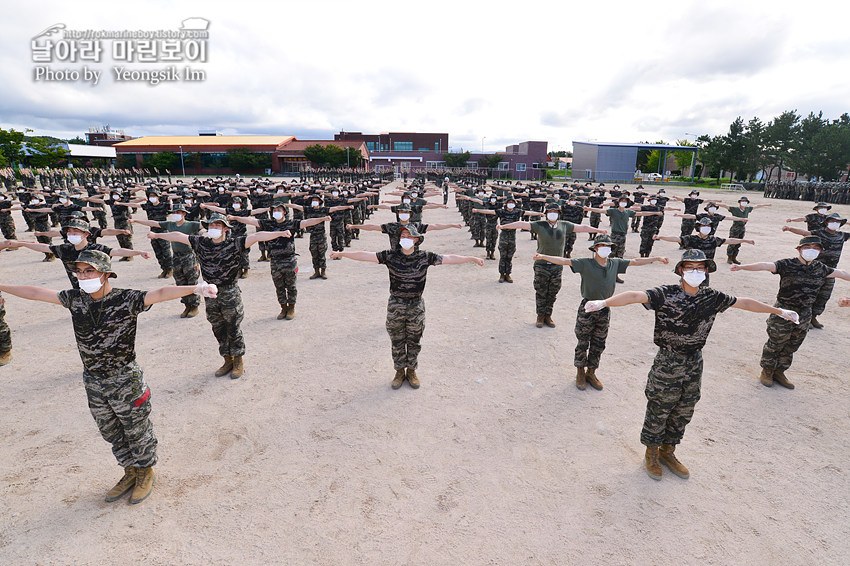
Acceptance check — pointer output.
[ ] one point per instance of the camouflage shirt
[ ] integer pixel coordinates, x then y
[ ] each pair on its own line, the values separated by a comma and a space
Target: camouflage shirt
280, 248
833, 244
683, 321
708, 245
105, 329
219, 262
408, 272
799, 283
815, 221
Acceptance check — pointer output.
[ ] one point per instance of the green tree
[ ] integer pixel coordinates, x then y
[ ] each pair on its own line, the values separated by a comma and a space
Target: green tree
315, 154
804, 157
684, 158
126, 162
752, 160
712, 154
163, 160
456, 159
77, 140
335, 156
490, 161
779, 138
44, 152
12, 145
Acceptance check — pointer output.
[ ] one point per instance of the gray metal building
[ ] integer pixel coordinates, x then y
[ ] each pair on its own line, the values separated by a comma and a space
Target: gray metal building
602, 161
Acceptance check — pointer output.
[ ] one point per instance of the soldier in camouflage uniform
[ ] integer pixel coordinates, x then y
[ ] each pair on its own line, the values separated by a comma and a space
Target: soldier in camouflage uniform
739, 227
7, 223
104, 320
220, 259
800, 279
684, 314
408, 268
598, 280
507, 214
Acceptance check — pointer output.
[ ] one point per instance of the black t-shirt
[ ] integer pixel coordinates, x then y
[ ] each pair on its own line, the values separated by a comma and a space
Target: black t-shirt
408, 272
219, 261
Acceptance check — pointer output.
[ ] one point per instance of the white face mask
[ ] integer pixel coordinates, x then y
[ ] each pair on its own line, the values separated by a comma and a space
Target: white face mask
277, 215
335, 193
705, 229
822, 211
603, 251
810, 254
221, 191
511, 206
63, 200
175, 217
33, 202
315, 204
153, 200
833, 226
712, 210
237, 206
214, 233
693, 277
552, 216
75, 239
406, 243
622, 204
407, 200
573, 202
492, 201
694, 195
653, 202
404, 216
91, 285
260, 191
743, 204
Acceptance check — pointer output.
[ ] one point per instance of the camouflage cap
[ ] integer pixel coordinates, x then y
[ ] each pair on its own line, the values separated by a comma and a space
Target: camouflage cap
412, 230
836, 217
601, 241
810, 240
179, 207
98, 260
279, 202
77, 223
821, 205
744, 198
696, 256
216, 217
403, 207
710, 204
705, 221
552, 206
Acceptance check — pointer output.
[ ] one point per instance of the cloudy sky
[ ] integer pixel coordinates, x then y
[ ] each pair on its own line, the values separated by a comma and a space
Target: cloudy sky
490, 74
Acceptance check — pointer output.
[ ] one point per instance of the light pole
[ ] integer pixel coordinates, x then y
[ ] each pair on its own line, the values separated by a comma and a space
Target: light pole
183, 167
482, 143
693, 156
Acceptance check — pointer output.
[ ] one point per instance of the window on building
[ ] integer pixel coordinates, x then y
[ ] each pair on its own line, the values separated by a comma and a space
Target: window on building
535, 166
370, 146
402, 146
212, 159
504, 165
436, 146
520, 166
434, 164
422, 149
472, 165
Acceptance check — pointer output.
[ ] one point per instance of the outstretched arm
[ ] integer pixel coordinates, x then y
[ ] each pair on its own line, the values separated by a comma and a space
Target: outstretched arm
32, 293
798, 231
450, 259
265, 237
443, 226
553, 259
518, 225
840, 274
179, 237
582, 228
733, 241
370, 227
762, 266
359, 256
618, 300
752, 305
674, 239
244, 220
638, 261
318, 220
124, 252
175, 292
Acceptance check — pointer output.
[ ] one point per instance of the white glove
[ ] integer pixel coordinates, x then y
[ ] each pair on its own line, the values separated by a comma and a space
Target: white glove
592, 306
209, 290
790, 315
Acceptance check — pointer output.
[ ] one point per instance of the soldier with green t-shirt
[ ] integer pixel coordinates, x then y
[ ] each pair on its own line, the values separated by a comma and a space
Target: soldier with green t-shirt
619, 218
551, 239
598, 280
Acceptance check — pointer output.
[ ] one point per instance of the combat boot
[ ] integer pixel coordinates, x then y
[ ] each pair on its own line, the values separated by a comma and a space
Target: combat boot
243, 274
668, 458
766, 377
508, 278
412, 379
145, 478
283, 312
322, 273
5, 358
620, 279
190, 311
262, 256
126, 258
501, 278
653, 467
779, 377
315, 274
124, 485
166, 273
581, 380
539, 323
815, 323
226, 367
238, 368
49, 257
547, 320
398, 379
290, 311
592, 380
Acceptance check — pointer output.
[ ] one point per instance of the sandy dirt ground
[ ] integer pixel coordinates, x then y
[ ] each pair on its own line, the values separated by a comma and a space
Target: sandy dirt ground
311, 458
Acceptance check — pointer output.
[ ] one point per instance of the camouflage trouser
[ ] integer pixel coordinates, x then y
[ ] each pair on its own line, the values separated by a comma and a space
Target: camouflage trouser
42, 224
547, 283
569, 244
405, 325
100, 216
783, 339
477, 224
687, 227
125, 241
225, 314
337, 236
490, 236
595, 219
5, 332
7, 225
636, 222
162, 251
672, 391
737, 230
824, 293
120, 404
186, 272
318, 248
284, 278
646, 241
619, 241
507, 249
591, 331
